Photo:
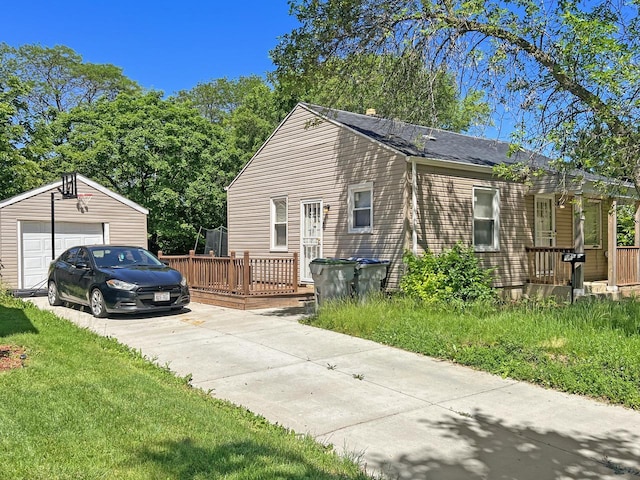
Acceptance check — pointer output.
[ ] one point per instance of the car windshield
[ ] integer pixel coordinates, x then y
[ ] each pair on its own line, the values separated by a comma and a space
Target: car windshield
119, 257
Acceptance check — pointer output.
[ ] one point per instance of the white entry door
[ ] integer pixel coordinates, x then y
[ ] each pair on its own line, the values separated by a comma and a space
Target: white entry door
545, 221
311, 236
545, 234
35, 248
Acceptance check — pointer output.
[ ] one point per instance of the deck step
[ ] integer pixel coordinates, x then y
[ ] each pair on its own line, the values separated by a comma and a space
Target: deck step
599, 296
595, 288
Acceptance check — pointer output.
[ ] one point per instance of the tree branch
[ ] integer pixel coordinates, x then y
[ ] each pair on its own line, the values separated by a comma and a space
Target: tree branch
566, 81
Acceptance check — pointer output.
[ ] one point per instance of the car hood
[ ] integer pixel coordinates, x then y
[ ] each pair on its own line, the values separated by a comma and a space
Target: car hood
145, 275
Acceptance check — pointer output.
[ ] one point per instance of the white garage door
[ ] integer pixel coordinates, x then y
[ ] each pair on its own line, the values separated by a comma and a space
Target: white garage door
36, 246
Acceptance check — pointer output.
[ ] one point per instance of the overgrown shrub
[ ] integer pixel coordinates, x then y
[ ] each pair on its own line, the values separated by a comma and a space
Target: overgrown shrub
453, 276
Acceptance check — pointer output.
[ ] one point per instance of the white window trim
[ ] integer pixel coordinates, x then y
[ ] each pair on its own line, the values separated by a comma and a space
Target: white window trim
272, 224
360, 187
598, 202
496, 219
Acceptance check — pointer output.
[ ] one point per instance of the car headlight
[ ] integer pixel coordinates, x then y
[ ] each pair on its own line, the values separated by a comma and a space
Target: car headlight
121, 285
183, 282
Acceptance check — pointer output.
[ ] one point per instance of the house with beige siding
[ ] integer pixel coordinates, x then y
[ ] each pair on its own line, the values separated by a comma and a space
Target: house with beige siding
98, 216
330, 183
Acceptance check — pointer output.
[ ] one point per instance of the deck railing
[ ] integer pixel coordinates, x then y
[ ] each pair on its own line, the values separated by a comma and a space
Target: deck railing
237, 275
628, 271
546, 265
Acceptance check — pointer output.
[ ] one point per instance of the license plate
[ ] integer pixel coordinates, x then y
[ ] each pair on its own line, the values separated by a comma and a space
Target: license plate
161, 296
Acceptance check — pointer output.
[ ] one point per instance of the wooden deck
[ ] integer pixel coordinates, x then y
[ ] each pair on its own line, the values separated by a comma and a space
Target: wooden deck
244, 282
254, 302
547, 268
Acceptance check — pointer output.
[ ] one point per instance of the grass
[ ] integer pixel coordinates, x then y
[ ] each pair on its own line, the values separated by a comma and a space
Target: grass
590, 348
86, 407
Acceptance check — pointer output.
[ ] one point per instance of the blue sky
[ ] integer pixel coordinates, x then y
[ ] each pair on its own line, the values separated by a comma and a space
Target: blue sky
165, 45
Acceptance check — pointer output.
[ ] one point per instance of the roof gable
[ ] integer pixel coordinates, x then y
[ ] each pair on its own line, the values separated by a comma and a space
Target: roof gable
80, 178
414, 141
262, 146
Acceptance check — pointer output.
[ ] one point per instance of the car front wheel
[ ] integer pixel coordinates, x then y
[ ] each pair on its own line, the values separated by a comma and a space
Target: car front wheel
98, 307
52, 295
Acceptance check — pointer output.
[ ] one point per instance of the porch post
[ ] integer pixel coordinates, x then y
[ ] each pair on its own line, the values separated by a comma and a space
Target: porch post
612, 250
414, 208
296, 264
246, 273
636, 242
578, 242
232, 272
191, 269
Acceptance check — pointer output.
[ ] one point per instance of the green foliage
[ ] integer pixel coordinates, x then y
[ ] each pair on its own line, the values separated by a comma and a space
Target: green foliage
60, 79
626, 225
159, 153
453, 276
589, 348
396, 86
18, 172
244, 108
37, 83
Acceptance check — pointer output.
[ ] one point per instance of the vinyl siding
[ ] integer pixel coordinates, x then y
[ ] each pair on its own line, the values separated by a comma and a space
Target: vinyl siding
445, 216
126, 225
320, 162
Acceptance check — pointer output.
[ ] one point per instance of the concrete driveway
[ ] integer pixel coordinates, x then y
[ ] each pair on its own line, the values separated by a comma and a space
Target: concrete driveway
400, 414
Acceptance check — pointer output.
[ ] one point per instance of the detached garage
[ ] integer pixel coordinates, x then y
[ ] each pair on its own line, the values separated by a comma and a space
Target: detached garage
98, 216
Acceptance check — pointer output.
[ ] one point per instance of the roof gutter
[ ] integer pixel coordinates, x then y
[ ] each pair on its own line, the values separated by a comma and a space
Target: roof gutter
438, 162
586, 185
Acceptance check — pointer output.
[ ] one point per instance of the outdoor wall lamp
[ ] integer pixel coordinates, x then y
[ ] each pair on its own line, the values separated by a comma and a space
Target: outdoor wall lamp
326, 209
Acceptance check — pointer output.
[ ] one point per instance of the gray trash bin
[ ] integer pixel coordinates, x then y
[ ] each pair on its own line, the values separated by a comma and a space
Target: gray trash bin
332, 278
370, 277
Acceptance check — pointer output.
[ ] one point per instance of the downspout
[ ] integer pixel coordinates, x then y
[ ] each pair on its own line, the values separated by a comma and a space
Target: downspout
414, 208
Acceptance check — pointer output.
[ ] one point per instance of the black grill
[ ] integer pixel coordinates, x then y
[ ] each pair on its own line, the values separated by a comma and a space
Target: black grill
161, 288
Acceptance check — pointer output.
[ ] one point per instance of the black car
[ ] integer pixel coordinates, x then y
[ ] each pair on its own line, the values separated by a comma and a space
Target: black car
115, 279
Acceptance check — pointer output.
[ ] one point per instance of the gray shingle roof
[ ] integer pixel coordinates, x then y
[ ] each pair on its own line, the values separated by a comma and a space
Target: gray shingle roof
432, 143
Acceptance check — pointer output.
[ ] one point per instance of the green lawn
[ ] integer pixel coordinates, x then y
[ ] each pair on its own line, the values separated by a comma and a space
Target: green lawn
590, 348
86, 407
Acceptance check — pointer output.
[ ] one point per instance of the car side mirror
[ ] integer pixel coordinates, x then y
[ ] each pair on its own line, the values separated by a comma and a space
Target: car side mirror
82, 266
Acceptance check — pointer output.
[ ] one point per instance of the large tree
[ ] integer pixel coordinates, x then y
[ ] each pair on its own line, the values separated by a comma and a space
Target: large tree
59, 79
36, 84
570, 69
17, 171
159, 153
395, 85
245, 108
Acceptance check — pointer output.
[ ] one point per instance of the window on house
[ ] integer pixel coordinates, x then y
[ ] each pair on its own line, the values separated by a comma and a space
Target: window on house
592, 210
361, 208
486, 213
279, 223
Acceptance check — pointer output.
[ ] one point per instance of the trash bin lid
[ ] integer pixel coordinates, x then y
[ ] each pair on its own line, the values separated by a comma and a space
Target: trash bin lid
367, 261
333, 261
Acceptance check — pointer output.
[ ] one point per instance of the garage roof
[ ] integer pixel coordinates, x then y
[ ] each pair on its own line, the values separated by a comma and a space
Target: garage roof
81, 178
